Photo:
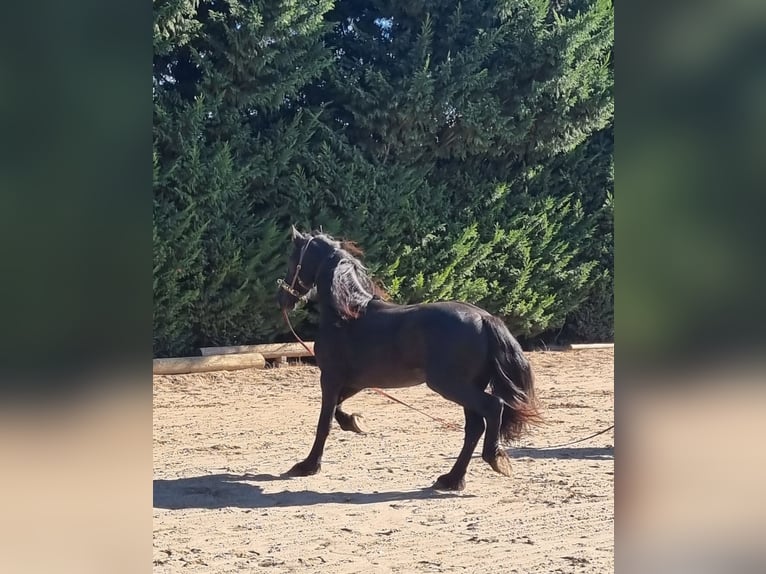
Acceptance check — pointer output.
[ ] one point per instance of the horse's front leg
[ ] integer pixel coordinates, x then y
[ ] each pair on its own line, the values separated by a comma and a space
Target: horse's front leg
313, 462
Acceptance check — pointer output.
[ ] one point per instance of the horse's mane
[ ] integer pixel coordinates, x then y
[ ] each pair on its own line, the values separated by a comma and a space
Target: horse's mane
378, 289
352, 288
352, 248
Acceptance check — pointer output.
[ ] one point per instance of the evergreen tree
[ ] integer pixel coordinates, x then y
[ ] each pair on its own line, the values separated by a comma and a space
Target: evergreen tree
478, 103
230, 135
466, 146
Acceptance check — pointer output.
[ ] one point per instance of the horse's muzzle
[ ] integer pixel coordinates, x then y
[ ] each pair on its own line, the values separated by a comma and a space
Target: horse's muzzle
283, 286
287, 297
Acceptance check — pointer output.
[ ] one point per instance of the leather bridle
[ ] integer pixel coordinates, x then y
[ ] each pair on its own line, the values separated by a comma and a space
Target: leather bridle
296, 276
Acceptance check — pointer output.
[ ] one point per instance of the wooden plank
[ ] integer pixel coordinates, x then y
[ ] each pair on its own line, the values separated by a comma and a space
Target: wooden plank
269, 350
546, 348
591, 346
181, 365
575, 347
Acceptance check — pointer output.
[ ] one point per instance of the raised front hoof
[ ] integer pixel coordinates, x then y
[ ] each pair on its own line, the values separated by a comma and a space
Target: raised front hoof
304, 469
356, 424
500, 463
352, 423
447, 482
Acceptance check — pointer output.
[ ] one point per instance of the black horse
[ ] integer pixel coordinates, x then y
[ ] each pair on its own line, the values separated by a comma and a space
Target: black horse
456, 348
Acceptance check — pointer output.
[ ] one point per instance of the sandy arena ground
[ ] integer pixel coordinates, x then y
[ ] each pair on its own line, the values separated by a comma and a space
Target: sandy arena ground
222, 440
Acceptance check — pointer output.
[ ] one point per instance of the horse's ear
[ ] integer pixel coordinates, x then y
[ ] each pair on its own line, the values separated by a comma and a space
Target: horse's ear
297, 235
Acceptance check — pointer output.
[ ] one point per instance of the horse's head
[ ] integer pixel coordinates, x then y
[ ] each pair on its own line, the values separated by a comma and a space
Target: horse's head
308, 254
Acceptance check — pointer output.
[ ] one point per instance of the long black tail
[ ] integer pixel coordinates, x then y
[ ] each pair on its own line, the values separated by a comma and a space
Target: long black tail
512, 381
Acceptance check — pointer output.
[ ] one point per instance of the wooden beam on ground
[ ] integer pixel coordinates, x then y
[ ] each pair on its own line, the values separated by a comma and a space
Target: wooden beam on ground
591, 346
269, 350
576, 347
182, 365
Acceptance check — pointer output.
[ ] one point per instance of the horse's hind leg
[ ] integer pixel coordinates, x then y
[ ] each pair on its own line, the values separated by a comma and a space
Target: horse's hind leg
492, 453
487, 406
455, 478
348, 422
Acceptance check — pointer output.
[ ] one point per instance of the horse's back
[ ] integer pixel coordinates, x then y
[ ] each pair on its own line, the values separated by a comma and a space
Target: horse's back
397, 345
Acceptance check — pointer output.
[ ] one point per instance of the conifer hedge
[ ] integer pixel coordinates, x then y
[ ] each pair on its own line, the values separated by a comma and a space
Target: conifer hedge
468, 147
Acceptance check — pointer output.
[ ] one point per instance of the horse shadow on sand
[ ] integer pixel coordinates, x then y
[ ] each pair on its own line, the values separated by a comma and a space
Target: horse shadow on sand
232, 490
582, 453
589, 453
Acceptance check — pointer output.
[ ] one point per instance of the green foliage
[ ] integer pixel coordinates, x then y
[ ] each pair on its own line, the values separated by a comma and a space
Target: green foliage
466, 146
593, 319
229, 140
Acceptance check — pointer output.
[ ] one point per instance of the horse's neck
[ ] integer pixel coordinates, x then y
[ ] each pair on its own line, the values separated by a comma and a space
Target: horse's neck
327, 312
323, 286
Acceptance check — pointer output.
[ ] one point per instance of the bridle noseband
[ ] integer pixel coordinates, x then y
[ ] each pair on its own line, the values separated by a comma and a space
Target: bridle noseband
284, 286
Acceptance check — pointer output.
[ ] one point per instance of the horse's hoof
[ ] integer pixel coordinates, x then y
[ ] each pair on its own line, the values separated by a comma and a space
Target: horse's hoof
355, 424
304, 469
501, 463
447, 482
351, 422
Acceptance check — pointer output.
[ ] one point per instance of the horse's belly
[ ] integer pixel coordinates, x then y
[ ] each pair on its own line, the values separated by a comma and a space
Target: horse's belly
389, 377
